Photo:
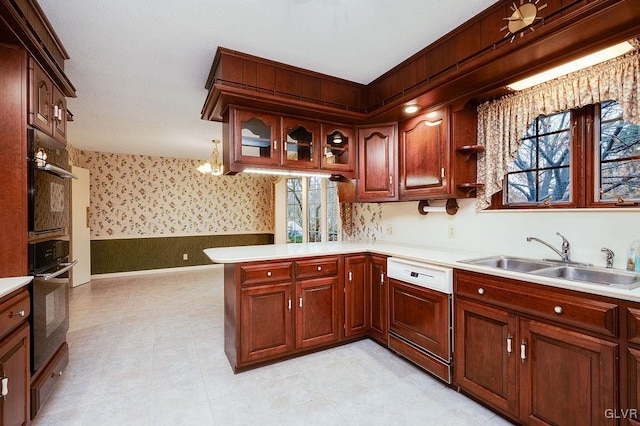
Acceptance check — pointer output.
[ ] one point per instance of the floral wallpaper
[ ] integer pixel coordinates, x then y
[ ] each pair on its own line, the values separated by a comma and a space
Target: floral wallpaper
139, 195
365, 221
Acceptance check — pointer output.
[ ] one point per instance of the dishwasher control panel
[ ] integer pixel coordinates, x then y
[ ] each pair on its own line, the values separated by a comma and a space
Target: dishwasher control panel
437, 278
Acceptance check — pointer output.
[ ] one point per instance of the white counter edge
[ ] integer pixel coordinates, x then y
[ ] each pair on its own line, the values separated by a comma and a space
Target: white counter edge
8, 285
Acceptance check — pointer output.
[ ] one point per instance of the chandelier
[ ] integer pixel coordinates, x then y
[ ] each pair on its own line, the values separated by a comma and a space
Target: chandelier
213, 167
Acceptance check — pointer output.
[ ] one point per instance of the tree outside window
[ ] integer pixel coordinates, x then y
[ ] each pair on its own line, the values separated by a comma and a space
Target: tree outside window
619, 156
589, 157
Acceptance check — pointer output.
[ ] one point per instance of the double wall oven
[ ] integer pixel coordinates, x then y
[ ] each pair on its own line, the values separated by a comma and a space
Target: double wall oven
49, 263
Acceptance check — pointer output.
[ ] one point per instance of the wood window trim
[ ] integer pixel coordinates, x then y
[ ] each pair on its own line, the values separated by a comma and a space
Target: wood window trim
583, 164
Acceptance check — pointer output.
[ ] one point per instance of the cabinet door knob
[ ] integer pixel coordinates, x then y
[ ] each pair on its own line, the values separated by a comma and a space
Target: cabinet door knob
558, 310
268, 273
481, 290
509, 344
523, 350
20, 313
275, 145
319, 268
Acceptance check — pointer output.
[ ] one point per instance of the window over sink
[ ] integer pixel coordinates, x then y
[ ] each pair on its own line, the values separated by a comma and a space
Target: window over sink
586, 157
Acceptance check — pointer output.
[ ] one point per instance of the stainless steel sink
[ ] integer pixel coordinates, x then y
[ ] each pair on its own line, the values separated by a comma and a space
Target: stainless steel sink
573, 272
618, 279
516, 264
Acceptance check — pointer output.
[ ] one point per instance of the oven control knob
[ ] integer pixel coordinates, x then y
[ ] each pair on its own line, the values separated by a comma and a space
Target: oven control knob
481, 290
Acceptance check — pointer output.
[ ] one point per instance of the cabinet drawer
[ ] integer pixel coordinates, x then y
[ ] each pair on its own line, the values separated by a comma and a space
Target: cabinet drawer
47, 378
577, 311
13, 311
313, 268
260, 273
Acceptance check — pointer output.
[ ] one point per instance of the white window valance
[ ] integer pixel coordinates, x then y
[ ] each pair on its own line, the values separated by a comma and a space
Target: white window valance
503, 123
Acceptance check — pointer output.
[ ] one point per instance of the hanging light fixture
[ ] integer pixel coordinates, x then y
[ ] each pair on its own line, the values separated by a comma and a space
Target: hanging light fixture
214, 167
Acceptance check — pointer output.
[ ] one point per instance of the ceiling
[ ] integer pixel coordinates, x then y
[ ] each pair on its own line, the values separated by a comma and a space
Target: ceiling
140, 66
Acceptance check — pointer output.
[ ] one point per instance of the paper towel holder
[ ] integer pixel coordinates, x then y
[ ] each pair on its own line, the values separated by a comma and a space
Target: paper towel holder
451, 207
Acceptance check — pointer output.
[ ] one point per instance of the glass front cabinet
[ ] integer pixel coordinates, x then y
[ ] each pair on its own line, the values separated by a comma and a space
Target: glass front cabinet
338, 149
262, 139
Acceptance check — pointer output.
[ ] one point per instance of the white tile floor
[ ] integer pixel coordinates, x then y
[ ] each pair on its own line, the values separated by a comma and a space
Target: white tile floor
148, 350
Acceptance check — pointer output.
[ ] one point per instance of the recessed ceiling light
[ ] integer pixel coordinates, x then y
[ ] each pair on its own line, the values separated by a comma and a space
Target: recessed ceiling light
410, 109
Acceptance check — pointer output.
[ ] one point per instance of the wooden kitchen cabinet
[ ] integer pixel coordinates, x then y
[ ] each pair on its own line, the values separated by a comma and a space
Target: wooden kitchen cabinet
266, 321
15, 374
485, 364
356, 309
378, 299
276, 309
338, 149
522, 358
47, 107
254, 137
15, 355
424, 149
301, 143
317, 312
631, 401
377, 163
562, 365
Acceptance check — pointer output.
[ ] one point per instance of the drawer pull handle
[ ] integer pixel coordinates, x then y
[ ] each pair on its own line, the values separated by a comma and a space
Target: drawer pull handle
558, 310
509, 347
20, 313
269, 273
54, 374
319, 268
523, 350
481, 290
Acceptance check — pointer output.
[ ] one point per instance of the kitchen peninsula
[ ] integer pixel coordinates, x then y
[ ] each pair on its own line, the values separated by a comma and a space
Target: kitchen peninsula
516, 325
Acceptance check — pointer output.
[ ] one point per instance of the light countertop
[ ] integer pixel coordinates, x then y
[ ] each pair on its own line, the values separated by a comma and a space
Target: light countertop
433, 255
7, 285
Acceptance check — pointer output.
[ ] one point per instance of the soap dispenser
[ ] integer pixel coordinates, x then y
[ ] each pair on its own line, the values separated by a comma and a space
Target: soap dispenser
632, 257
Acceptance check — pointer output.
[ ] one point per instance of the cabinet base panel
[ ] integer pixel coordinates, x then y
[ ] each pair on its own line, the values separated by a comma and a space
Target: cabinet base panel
240, 367
428, 363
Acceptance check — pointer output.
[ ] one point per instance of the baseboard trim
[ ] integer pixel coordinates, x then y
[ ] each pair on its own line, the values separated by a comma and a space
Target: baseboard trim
154, 271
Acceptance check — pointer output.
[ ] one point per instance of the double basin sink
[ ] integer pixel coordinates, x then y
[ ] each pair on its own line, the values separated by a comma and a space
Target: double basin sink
567, 271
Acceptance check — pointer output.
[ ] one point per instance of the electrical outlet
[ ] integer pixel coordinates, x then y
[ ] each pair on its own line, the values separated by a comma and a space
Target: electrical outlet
185, 256
389, 229
452, 231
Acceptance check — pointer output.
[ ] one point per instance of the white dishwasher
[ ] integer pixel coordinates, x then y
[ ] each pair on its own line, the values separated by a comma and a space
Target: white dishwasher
420, 314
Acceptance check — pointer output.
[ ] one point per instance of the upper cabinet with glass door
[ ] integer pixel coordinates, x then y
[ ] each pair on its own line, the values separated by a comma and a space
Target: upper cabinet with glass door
301, 143
338, 149
255, 139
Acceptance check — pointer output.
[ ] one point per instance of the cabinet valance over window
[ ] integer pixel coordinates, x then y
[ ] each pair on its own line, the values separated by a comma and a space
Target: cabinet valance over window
503, 123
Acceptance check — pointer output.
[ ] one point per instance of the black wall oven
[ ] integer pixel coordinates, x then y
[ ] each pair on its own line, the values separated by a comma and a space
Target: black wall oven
49, 200
48, 180
49, 264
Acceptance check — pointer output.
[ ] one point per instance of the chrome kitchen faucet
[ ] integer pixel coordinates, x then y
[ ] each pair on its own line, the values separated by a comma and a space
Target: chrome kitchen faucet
564, 254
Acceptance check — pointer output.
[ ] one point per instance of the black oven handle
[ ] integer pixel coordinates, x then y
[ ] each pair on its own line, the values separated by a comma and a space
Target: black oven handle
58, 171
67, 266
